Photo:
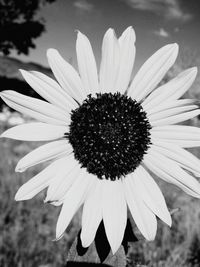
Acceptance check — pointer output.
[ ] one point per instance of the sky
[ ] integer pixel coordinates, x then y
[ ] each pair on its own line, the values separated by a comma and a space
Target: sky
156, 23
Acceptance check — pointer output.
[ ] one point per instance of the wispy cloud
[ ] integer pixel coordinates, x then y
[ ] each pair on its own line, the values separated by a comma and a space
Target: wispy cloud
83, 5
162, 33
169, 9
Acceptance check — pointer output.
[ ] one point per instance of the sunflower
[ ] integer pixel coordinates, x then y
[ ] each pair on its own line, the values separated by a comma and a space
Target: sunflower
107, 133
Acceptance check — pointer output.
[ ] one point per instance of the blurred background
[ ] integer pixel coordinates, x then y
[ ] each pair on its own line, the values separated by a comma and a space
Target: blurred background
27, 29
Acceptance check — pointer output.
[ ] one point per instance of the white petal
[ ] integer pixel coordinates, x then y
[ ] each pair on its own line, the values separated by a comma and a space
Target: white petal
66, 75
73, 200
172, 90
162, 174
127, 58
43, 153
164, 114
36, 108
181, 143
87, 64
61, 183
35, 131
151, 194
169, 171
142, 215
182, 157
92, 214
176, 118
169, 105
152, 71
184, 136
109, 68
114, 212
57, 194
38, 182
49, 89
56, 203
63, 180
176, 132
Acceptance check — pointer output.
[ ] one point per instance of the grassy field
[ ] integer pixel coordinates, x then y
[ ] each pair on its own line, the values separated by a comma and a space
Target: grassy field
27, 228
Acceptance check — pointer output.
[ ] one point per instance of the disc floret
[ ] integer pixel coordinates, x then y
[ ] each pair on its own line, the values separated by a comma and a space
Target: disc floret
109, 134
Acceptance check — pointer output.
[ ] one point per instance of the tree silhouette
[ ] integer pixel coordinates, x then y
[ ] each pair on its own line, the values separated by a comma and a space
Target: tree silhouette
18, 25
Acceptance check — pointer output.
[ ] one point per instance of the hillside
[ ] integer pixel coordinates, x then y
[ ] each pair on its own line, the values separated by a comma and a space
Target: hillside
11, 78
9, 67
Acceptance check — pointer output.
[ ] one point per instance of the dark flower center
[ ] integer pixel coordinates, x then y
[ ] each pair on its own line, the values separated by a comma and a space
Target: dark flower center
109, 134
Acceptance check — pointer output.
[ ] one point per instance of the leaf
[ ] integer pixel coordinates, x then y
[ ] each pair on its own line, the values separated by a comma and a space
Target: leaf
98, 254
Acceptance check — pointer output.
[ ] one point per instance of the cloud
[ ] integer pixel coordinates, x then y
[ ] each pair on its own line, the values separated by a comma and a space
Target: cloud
162, 33
83, 5
169, 9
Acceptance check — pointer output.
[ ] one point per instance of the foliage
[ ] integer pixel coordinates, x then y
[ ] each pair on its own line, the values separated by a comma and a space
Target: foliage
18, 25
193, 256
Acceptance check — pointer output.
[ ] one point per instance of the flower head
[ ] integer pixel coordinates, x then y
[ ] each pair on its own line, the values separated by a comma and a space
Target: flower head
107, 133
